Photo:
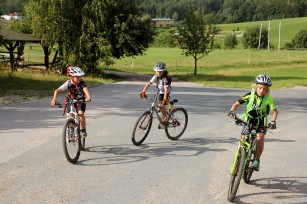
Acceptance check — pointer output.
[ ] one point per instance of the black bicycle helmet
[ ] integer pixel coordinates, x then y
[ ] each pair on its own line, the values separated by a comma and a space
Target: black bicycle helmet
159, 67
263, 79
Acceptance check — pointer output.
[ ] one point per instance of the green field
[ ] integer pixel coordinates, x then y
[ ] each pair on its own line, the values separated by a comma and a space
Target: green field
220, 68
289, 28
225, 68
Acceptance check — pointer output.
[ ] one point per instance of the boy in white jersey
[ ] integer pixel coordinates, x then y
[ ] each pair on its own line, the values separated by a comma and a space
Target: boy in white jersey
163, 82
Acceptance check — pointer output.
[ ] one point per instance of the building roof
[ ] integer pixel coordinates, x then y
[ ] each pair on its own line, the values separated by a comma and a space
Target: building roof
162, 19
11, 35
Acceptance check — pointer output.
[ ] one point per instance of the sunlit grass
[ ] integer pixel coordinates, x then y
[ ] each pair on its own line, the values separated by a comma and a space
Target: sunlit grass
38, 84
225, 68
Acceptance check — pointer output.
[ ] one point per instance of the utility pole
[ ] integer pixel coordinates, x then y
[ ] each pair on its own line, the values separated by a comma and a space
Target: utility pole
269, 35
260, 36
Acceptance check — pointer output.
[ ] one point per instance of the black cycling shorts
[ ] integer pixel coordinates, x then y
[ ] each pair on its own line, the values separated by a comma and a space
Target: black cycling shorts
247, 130
81, 107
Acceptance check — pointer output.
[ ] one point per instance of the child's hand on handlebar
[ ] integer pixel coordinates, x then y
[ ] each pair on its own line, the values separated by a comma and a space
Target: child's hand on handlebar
272, 125
164, 101
232, 114
143, 95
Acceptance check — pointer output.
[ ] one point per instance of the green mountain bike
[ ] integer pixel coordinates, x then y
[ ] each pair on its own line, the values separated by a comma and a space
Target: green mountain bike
243, 160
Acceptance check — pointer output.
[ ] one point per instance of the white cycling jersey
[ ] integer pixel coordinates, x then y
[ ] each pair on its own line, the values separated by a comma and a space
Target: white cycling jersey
161, 83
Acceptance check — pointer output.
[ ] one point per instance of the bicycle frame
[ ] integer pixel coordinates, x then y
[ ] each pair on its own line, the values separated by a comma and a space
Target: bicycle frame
154, 106
73, 113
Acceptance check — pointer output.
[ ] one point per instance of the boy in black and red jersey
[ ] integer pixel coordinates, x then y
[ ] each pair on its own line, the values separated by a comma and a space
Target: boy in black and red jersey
77, 90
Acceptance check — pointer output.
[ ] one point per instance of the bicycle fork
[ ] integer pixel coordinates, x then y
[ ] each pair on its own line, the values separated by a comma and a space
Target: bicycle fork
242, 144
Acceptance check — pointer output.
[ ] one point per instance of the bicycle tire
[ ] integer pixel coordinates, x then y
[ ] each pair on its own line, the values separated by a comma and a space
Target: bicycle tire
236, 178
68, 145
248, 172
174, 131
82, 140
141, 128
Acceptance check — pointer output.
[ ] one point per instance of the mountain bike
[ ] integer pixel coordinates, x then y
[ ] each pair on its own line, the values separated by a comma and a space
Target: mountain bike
174, 127
243, 160
73, 143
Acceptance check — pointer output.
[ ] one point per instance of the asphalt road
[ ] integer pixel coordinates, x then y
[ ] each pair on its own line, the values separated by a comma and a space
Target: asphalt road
194, 169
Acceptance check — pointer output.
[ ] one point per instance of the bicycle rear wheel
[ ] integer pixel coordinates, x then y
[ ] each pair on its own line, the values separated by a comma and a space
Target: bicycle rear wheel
236, 176
177, 123
141, 128
71, 141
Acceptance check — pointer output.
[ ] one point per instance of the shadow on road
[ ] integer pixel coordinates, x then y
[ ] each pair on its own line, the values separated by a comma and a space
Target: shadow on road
281, 188
119, 154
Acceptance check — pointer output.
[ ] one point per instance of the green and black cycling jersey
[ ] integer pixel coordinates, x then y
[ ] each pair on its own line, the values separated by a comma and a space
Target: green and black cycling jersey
257, 108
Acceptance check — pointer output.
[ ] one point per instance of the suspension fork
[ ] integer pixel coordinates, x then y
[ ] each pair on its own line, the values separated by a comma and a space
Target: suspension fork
242, 144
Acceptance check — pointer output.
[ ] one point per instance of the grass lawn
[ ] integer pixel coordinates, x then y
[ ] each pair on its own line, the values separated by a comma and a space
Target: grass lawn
225, 68
29, 84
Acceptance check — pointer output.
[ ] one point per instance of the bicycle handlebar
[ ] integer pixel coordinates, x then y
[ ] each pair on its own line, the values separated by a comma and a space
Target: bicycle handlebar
239, 122
73, 101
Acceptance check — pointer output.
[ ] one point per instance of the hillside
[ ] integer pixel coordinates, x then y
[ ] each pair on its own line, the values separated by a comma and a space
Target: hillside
289, 28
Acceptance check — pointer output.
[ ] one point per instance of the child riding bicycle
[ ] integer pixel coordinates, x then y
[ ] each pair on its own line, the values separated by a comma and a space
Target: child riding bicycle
258, 105
163, 82
77, 90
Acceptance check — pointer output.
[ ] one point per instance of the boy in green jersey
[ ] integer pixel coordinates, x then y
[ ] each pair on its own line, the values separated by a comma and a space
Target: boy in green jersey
258, 105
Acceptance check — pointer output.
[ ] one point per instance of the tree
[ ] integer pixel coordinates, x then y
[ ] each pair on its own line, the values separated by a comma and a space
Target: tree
195, 37
114, 29
251, 37
231, 41
87, 32
300, 40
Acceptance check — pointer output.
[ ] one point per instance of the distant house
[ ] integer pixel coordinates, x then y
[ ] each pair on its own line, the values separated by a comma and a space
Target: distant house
12, 16
162, 22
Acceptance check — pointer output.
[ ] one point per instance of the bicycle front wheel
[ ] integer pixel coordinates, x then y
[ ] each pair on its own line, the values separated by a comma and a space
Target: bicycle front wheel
248, 172
82, 140
236, 176
177, 123
71, 141
142, 128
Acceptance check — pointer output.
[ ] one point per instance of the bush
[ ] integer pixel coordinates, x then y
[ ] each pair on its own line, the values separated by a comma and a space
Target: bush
300, 40
251, 37
217, 46
231, 41
164, 38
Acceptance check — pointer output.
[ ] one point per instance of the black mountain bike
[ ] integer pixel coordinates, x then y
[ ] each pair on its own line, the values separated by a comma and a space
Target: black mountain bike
243, 160
73, 143
174, 128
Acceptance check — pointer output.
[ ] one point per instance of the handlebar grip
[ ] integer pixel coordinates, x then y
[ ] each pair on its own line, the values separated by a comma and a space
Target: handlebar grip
58, 104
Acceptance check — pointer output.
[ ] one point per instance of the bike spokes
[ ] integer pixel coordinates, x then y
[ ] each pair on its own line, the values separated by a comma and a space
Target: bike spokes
71, 142
141, 128
236, 175
177, 123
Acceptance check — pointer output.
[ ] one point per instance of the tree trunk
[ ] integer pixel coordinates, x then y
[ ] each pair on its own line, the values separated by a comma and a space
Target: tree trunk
46, 57
195, 66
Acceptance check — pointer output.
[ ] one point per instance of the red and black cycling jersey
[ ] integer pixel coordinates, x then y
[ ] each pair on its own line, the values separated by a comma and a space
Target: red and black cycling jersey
75, 89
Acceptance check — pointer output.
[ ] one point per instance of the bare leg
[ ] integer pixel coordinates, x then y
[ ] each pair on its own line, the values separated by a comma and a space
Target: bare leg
260, 144
163, 111
82, 119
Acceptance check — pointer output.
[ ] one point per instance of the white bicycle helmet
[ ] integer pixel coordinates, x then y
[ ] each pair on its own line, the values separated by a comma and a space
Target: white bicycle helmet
159, 67
263, 79
75, 71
